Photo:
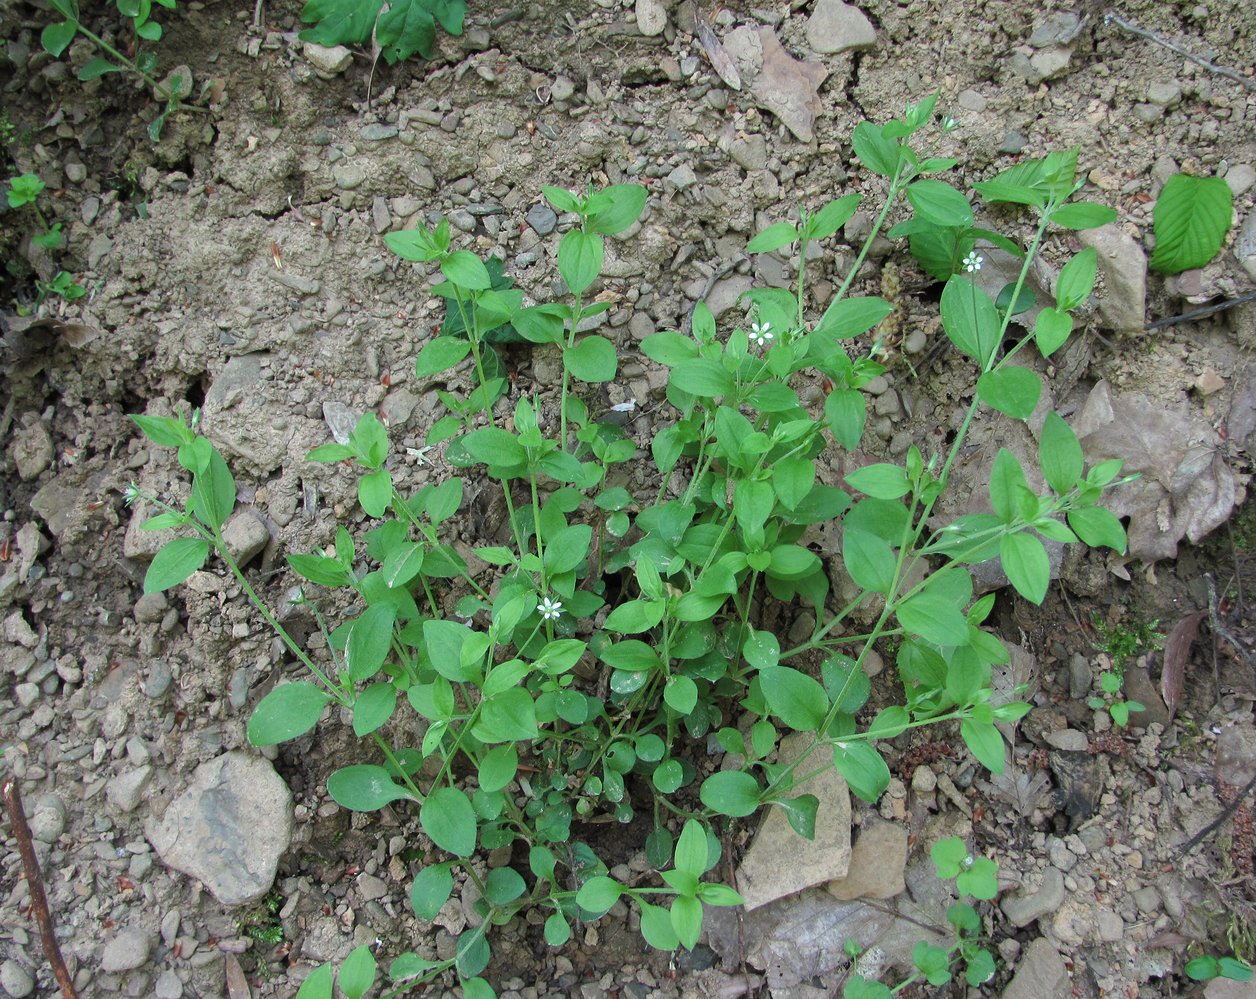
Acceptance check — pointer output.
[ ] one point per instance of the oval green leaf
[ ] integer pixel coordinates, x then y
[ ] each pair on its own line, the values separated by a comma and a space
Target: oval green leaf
286, 712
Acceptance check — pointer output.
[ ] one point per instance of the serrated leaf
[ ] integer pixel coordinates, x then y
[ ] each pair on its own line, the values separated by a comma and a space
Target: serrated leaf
1190, 220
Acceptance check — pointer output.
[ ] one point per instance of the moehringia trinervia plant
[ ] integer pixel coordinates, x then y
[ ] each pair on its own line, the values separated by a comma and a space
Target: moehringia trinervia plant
616, 633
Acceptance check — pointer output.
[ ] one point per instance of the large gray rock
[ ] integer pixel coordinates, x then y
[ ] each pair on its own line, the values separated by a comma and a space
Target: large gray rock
1041, 974
1123, 265
779, 861
229, 828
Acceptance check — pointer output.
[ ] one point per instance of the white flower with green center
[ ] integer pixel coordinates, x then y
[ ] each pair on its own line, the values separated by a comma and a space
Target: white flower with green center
973, 262
549, 609
761, 334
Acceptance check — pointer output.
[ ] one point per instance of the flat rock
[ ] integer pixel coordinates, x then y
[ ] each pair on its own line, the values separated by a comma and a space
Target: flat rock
779, 861
1038, 66
877, 862
1069, 739
1123, 265
127, 949
32, 451
229, 828
126, 791
1041, 974
1022, 910
838, 27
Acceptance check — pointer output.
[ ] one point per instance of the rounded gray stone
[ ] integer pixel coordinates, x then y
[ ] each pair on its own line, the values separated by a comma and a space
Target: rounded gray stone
229, 828
542, 219
168, 986
16, 981
47, 818
126, 950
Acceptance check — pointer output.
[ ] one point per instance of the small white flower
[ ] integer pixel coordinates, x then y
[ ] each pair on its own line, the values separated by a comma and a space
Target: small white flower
761, 334
949, 124
130, 494
549, 609
973, 262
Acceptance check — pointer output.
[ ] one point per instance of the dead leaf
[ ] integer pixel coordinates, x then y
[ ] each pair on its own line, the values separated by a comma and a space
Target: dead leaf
788, 87
715, 51
1185, 487
27, 335
1177, 650
237, 984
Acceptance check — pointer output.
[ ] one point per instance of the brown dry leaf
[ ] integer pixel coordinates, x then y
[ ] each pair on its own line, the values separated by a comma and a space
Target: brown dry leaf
1177, 651
1184, 489
237, 984
718, 55
788, 87
27, 335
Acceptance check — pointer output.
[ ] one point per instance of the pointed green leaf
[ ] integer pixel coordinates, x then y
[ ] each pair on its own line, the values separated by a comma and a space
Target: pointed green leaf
364, 788
449, 821
357, 972
176, 560
288, 711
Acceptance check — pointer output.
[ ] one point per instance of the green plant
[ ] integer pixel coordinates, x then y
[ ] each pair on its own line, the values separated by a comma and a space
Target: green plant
63, 285
23, 190
976, 879
56, 38
617, 631
1190, 221
399, 28
1110, 683
262, 923
1207, 967
1122, 642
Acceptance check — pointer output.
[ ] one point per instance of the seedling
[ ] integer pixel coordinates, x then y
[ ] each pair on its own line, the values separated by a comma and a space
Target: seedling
23, 190
1110, 683
616, 633
1207, 967
976, 879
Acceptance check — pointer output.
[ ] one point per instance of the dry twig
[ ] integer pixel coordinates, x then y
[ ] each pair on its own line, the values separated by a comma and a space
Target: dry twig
39, 900
1133, 29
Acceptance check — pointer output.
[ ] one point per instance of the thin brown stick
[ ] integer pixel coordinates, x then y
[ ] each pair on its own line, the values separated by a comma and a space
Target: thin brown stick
1207, 310
1134, 29
1212, 826
39, 900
